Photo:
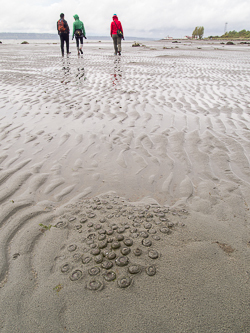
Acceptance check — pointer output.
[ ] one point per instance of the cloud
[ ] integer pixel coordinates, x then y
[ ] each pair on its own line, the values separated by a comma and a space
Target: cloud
139, 18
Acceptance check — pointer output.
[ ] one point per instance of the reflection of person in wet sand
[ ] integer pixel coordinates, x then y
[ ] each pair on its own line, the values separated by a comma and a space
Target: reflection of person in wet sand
80, 76
117, 75
116, 32
66, 71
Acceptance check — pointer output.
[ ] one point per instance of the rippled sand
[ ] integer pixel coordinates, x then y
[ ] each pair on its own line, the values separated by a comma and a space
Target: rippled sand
153, 145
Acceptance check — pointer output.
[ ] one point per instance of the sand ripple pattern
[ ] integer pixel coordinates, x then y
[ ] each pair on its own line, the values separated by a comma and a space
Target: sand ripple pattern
164, 124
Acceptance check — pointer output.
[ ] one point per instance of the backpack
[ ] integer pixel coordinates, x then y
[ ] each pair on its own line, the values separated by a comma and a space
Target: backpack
60, 26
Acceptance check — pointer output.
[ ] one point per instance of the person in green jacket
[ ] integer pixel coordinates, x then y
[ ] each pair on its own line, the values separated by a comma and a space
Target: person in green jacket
78, 33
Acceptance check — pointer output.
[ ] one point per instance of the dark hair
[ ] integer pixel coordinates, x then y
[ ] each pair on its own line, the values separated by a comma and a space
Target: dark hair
61, 15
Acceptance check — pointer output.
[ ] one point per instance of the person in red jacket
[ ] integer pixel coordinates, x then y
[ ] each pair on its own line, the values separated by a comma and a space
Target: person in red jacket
117, 40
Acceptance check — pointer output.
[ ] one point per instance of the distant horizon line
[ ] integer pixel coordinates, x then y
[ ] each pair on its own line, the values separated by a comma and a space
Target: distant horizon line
19, 35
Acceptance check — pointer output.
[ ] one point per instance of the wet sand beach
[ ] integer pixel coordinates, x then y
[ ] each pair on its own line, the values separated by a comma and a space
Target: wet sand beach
125, 188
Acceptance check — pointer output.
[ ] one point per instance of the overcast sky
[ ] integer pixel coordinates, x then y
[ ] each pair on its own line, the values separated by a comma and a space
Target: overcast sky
140, 18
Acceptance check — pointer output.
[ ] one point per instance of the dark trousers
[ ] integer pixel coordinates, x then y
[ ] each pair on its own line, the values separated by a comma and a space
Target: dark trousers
77, 41
64, 38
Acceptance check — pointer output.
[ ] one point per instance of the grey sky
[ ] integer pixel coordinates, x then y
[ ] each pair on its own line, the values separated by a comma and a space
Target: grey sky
154, 18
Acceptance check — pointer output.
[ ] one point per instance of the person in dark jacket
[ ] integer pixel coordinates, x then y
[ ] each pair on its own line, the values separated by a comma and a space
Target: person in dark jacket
78, 33
115, 25
63, 32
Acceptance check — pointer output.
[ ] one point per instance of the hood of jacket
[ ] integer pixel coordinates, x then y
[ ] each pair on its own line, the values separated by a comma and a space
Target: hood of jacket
76, 17
115, 17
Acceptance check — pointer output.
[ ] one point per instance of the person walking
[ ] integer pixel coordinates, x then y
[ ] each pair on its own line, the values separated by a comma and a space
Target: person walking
78, 33
116, 32
63, 32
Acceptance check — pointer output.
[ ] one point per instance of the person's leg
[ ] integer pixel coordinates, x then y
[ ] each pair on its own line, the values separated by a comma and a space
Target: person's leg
115, 43
119, 42
67, 43
77, 45
62, 44
81, 41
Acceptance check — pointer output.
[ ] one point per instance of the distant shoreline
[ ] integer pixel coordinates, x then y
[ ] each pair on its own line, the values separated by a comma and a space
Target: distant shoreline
25, 35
